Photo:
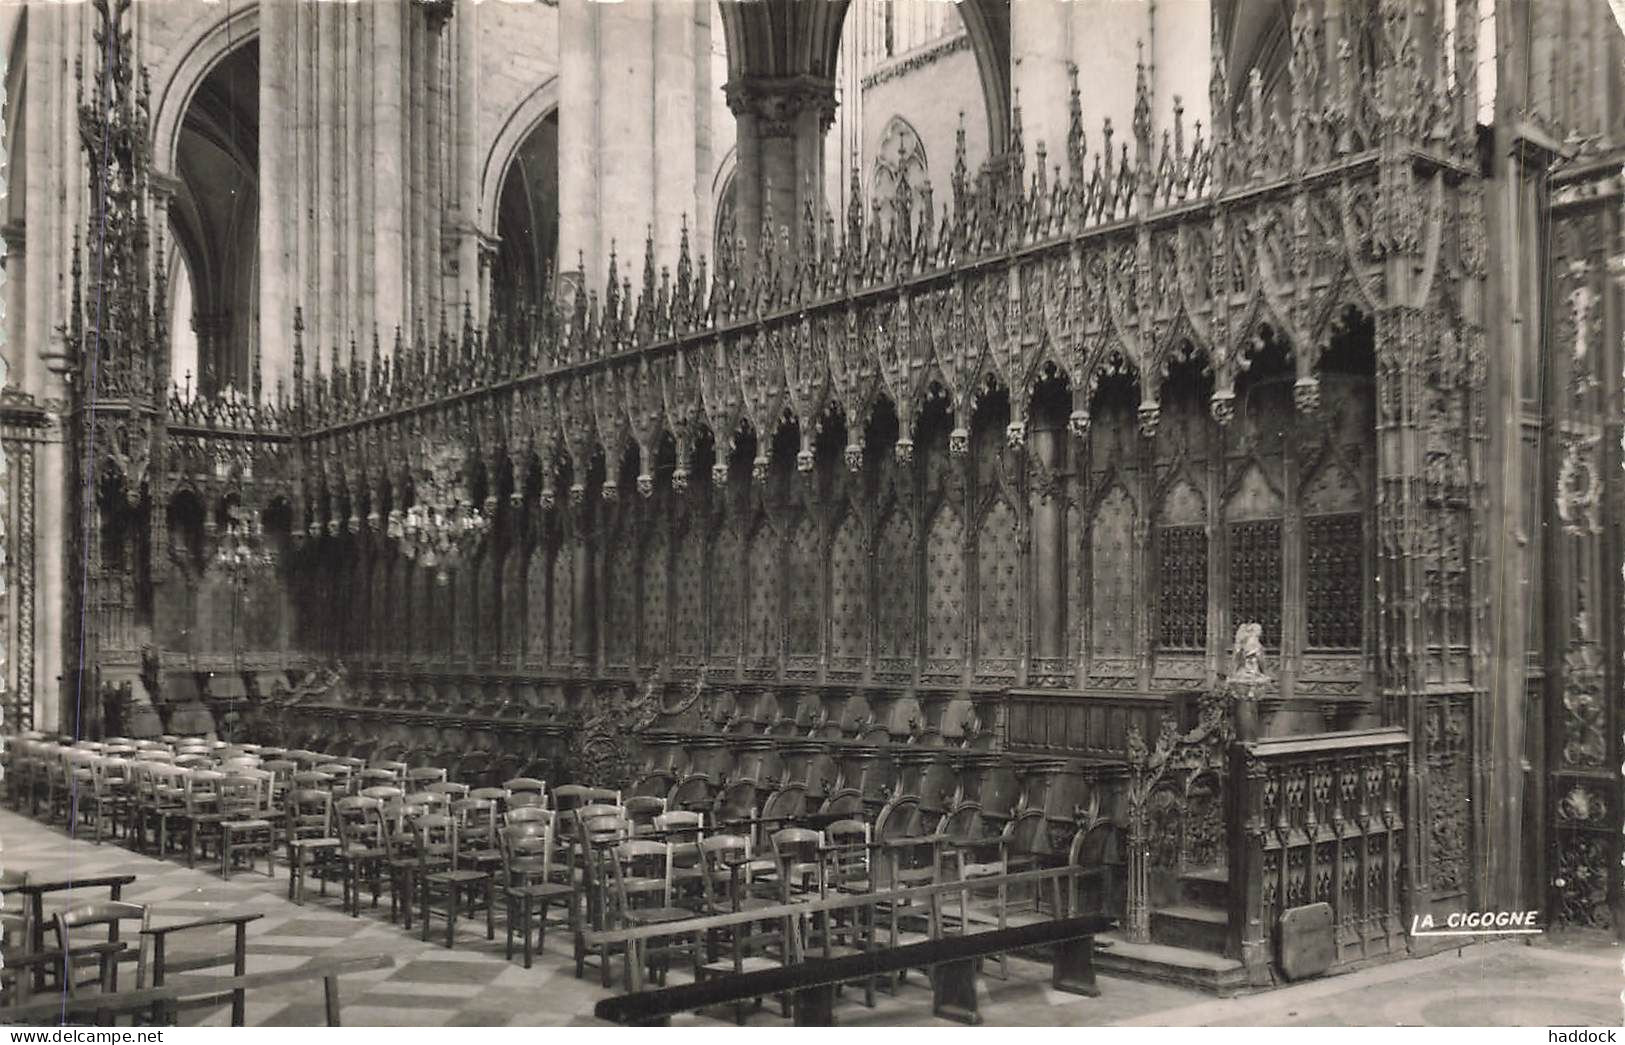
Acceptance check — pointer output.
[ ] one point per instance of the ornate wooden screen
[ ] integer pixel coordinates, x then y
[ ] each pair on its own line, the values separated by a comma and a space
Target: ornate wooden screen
1580, 637
1182, 588
1334, 581
1255, 576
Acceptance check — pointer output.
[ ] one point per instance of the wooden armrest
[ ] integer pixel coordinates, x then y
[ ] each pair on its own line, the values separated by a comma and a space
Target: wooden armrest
110, 881
230, 919
54, 956
910, 842
975, 843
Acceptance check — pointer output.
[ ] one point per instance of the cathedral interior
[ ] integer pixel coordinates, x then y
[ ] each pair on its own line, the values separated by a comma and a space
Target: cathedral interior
1171, 441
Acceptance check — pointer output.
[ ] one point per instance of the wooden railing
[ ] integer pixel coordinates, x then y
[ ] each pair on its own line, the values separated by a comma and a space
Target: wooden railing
1319, 819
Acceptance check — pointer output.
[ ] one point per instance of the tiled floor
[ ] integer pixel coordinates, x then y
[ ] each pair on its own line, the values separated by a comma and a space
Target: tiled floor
473, 986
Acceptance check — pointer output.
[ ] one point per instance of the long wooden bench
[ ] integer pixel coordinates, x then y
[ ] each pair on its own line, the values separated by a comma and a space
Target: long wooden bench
952, 960
159, 1004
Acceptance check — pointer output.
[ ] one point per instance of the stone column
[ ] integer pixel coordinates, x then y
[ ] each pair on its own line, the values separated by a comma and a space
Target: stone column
782, 121
651, 58
277, 200
578, 140
462, 222
388, 169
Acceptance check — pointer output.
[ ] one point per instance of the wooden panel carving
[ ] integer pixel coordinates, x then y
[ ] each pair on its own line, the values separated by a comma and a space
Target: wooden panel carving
895, 642
726, 566
688, 592
561, 604
656, 591
945, 593
764, 626
1334, 581
1255, 576
1448, 749
998, 575
621, 634
802, 609
1111, 579
847, 583
1182, 588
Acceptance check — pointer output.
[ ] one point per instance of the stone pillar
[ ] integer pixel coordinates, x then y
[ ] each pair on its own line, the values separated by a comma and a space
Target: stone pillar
651, 58
578, 140
277, 195
462, 222
388, 169
781, 125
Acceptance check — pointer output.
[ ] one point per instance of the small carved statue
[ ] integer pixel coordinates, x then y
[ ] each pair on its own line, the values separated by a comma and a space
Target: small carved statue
1248, 654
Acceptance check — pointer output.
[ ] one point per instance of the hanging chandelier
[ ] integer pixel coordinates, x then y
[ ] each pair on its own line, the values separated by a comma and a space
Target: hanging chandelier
443, 524
241, 549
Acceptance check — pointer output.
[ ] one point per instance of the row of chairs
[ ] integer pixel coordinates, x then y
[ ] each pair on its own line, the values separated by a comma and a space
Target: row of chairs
575, 856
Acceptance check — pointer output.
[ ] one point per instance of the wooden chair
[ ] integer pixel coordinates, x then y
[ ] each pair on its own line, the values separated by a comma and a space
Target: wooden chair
74, 924
904, 863
641, 874
798, 862
593, 832
477, 833
527, 815
725, 864
247, 825
528, 883
526, 785
165, 968
847, 870
377, 776
683, 831
202, 816
398, 768
438, 845
403, 861
420, 778
306, 760
642, 811
568, 798
363, 847
141, 801
110, 796
343, 777
450, 788
168, 806
308, 839
970, 851
527, 800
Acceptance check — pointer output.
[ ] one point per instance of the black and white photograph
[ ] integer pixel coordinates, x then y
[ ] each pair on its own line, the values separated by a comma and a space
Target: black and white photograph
878, 514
